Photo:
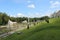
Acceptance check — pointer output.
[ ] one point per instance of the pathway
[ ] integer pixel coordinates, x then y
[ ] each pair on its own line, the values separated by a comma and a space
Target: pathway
11, 32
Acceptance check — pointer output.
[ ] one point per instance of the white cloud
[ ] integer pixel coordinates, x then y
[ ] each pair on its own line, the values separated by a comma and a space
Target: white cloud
11, 15
37, 15
32, 15
29, 1
54, 4
20, 15
48, 14
31, 6
51, 2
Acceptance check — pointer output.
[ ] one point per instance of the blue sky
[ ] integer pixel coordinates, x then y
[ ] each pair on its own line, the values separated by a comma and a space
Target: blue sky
29, 8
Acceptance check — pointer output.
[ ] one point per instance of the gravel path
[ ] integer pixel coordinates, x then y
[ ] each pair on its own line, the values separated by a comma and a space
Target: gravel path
11, 32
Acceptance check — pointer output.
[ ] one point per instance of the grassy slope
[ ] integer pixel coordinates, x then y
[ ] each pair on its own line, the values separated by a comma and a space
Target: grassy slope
42, 31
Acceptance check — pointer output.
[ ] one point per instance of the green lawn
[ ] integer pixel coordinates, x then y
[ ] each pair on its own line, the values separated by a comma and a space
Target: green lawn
41, 31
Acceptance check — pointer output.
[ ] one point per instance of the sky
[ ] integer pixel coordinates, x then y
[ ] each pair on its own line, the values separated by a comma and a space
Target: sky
29, 8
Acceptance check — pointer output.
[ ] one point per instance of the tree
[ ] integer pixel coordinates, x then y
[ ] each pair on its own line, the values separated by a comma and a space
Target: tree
46, 18
13, 19
3, 18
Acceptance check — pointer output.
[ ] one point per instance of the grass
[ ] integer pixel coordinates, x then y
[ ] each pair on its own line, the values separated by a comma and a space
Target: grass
41, 31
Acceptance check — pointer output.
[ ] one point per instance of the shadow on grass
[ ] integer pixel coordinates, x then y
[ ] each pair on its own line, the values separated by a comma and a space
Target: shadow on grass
46, 28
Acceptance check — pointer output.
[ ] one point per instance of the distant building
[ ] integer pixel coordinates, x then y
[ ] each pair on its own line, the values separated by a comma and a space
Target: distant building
56, 14
24, 21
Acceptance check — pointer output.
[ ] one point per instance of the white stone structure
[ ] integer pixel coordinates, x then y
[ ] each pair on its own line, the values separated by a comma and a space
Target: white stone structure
24, 21
12, 25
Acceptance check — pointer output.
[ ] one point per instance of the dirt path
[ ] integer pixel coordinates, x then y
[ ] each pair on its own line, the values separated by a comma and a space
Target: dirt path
11, 32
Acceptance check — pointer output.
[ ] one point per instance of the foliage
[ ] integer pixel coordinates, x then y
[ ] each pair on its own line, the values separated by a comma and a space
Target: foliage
44, 18
20, 19
42, 31
3, 18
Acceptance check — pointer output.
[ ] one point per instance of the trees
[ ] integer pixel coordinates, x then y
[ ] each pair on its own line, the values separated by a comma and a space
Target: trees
3, 18
46, 18
13, 19
20, 19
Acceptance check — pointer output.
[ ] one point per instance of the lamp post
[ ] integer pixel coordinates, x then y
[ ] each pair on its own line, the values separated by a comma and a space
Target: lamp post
28, 23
